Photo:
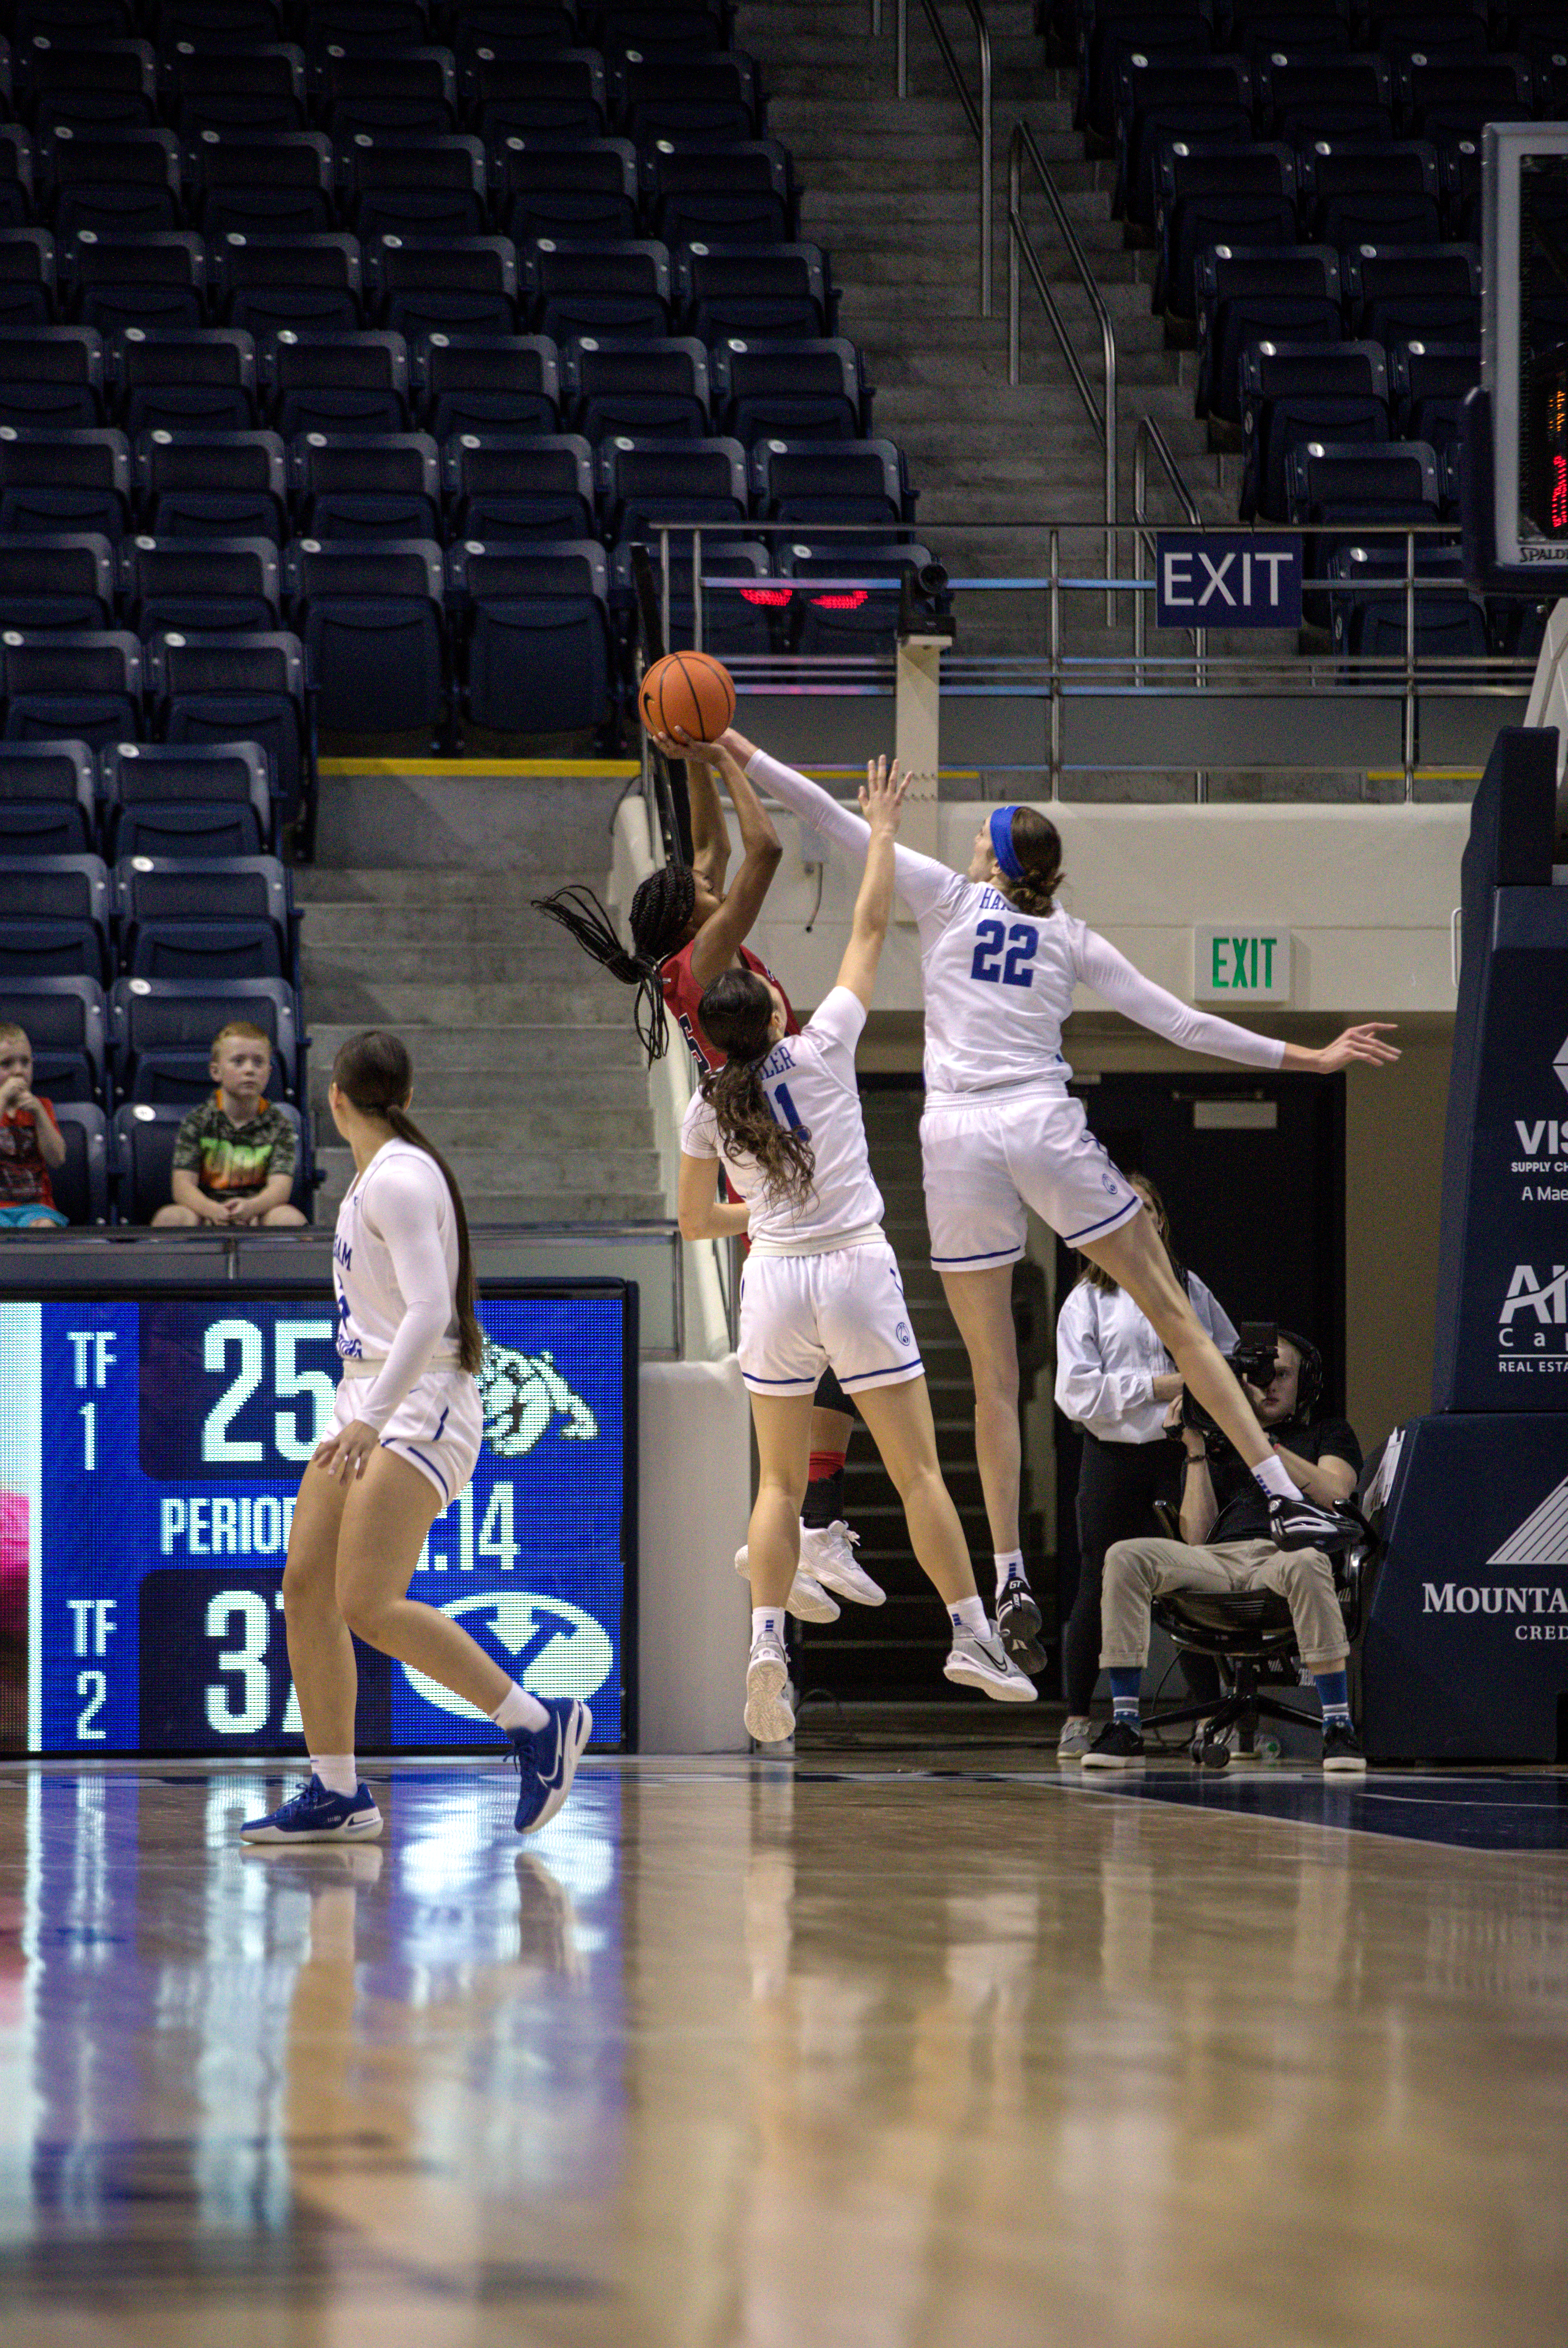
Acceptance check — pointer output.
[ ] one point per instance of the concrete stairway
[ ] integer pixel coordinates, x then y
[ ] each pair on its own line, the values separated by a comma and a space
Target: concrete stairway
891, 190
527, 1075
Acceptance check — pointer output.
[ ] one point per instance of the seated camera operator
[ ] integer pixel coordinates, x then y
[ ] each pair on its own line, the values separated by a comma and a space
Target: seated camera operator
1225, 1546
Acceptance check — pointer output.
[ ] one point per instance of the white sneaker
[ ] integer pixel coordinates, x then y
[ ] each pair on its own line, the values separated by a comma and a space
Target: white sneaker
986, 1663
828, 1550
808, 1601
769, 1716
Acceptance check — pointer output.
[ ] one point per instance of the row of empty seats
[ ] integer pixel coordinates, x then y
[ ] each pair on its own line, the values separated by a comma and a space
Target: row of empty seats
147, 917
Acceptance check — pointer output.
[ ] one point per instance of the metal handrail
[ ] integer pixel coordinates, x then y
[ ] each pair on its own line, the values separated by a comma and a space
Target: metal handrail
1024, 143
1149, 436
979, 116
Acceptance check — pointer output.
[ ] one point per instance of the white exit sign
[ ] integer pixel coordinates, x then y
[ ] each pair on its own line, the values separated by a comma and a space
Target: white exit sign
1237, 965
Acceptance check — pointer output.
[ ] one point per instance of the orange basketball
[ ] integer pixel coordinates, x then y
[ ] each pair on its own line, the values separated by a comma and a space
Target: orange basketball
691, 691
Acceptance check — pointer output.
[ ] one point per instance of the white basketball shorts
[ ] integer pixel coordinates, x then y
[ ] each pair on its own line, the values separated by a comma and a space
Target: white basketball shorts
986, 1163
801, 1314
439, 1426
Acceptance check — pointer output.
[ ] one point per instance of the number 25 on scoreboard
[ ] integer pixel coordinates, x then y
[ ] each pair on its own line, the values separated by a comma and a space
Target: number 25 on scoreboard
231, 1394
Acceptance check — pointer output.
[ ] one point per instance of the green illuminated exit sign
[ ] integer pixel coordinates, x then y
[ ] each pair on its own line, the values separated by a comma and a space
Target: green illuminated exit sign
1237, 965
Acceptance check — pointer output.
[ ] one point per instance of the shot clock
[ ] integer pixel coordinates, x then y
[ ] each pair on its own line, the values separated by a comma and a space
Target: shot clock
154, 1445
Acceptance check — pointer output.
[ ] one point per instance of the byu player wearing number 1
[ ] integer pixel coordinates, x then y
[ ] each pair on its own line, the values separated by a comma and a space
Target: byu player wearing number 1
822, 1285
999, 961
406, 1431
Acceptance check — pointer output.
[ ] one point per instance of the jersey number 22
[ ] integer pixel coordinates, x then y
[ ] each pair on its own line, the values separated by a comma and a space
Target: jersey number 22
1011, 967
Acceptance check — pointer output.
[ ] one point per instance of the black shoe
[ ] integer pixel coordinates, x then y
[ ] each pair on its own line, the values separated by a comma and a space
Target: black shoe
1300, 1524
1342, 1749
1017, 1623
1118, 1745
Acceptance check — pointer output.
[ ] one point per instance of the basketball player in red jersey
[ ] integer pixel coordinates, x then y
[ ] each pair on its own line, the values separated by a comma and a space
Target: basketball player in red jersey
687, 928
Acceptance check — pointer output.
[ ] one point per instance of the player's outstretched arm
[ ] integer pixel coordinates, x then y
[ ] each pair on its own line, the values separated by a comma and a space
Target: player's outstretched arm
919, 881
1125, 987
715, 947
882, 804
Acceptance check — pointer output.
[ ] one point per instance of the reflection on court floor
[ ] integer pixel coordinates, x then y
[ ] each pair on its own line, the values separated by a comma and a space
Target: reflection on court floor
881, 2052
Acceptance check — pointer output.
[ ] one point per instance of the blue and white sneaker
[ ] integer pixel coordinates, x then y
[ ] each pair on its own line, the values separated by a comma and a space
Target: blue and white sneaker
317, 1815
547, 1759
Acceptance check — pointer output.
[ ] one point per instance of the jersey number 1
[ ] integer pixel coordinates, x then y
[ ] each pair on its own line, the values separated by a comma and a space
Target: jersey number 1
1021, 941
784, 1110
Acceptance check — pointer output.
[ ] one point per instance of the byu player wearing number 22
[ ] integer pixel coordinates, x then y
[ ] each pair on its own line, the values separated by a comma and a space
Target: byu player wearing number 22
405, 1434
821, 1287
999, 961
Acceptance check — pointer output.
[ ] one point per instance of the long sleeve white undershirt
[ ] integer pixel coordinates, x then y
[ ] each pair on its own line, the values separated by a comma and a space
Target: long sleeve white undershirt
399, 1210
919, 881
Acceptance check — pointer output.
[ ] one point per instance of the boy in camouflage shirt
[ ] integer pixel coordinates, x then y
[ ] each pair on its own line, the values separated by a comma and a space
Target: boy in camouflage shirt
234, 1154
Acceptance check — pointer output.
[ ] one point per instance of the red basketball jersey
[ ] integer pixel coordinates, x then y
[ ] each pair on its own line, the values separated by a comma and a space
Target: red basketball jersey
682, 995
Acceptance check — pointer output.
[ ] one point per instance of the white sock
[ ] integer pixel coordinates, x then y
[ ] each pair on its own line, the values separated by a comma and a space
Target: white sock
1008, 1566
517, 1710
337, 1773
969, 1614
1271, 1475
766, 1622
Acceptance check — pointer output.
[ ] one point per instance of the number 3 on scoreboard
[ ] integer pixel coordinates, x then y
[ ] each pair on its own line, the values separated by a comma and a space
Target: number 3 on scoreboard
1021, 941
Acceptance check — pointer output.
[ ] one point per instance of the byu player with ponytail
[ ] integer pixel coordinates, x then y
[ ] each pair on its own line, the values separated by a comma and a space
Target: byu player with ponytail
404, 1433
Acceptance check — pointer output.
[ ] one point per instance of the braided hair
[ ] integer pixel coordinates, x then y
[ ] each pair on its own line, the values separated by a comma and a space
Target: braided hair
662, 910
375, 1075
735, 1011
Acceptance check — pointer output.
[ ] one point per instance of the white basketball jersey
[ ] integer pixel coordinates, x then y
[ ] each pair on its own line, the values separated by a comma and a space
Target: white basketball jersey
999, 988
370, 1303
809, 1080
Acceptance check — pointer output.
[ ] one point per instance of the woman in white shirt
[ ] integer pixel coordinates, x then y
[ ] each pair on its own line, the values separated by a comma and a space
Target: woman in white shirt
1117, 1382
821, 1287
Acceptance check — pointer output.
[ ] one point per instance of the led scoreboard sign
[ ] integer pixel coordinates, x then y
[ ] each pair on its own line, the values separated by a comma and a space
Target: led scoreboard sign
150, 1451
1524, 338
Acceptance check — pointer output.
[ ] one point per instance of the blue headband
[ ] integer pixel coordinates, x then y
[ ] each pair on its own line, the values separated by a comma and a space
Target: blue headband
1002, 842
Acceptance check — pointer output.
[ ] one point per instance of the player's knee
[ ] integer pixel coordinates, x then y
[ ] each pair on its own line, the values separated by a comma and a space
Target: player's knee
364, 1610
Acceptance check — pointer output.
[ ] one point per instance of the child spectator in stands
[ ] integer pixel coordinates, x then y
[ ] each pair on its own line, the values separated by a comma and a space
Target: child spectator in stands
30, 1141
234, 1154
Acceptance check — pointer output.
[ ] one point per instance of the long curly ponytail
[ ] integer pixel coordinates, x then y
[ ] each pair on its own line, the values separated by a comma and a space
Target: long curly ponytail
375, 1076
735, 1013
662, 911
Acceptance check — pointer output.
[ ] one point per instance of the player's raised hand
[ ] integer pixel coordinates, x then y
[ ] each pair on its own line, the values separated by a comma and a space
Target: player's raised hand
345, 1455
882, 794
678, 744
1359, 1043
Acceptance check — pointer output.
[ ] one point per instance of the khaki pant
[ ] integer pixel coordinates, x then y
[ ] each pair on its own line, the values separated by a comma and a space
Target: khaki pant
1137, 1572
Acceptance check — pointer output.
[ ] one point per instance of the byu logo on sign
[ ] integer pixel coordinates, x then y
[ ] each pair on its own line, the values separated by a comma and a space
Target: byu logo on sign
550, 1646
521, 1393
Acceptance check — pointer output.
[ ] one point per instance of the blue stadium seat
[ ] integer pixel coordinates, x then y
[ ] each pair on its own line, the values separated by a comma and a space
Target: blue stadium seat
539, 656
52, 378
400, 186
651, 390
1210, 195
84, 684
459, 285
1344, 491
56, 482
1449, 625
1176, 30
742, 194
55, 917
1300, 100
846, 609
1444, 97
519, 27
1429, 382
213, 484
368, 485
121, 183
488, 383
1355, 193
47, 798
365, 27
585, 191
249, 92
263, 184
681, 29
57, 582
861, 483
1246, 296
62, 948
813, 390
647, 482
404, 94
1296, 28
1392, 291
524, 95
247, 688
1438, 28
190, 584
1157, 101
192, 798
29, 278
205, 919
710, 101
775, 292
81, 1186
743, 603
1294, 392
578, 288
510, 486
17, 205
372, 622
108, 86
182, 379
142, 1139
307, 282
160, 1034
209, 24
66, 1025
136, 281
335, 383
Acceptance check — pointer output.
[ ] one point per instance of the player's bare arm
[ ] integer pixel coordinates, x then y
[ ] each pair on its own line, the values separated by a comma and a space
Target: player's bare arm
702, 1214
719, 940
881, 804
